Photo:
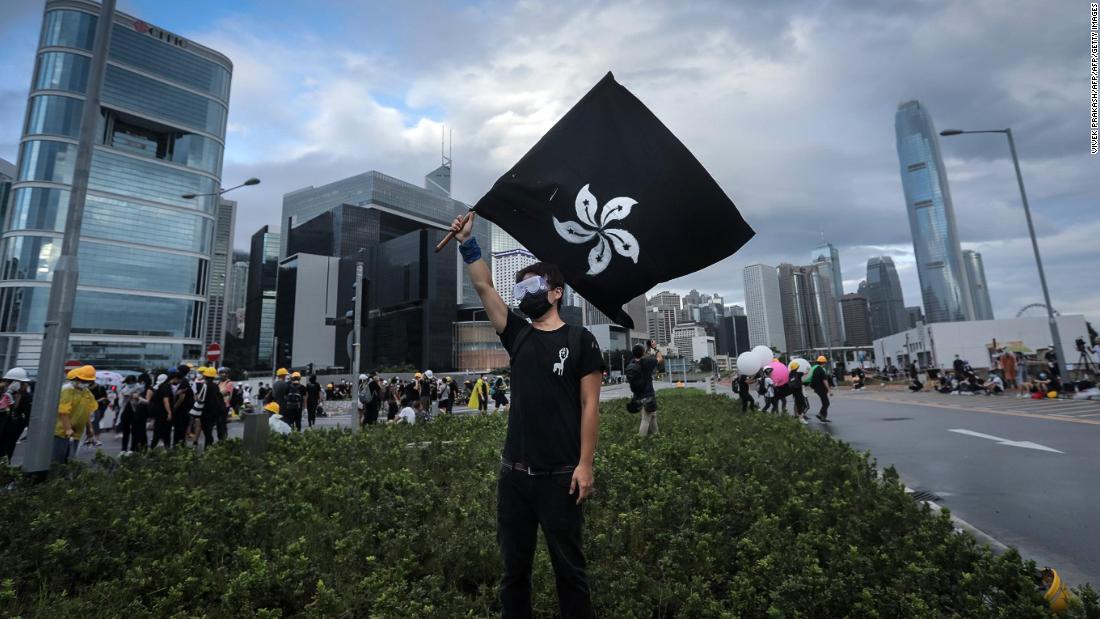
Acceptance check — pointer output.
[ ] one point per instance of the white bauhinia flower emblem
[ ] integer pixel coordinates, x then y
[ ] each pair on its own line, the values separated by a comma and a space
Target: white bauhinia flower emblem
610, 239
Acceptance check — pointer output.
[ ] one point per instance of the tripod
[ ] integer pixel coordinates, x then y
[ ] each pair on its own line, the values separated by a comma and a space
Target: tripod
1085, 364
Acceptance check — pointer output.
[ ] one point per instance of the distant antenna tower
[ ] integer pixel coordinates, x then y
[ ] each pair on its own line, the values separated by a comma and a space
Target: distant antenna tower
444, 148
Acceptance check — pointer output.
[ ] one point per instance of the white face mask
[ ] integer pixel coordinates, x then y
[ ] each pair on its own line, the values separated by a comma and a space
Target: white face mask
77, 384
14, 386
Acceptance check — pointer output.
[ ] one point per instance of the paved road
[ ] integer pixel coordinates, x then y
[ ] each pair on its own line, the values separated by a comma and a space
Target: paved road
1043, 502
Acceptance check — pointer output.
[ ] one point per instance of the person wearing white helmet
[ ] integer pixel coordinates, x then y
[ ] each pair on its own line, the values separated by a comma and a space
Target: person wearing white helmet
14, 411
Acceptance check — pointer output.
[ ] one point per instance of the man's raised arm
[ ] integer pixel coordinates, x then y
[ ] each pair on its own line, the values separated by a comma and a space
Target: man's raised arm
479, 272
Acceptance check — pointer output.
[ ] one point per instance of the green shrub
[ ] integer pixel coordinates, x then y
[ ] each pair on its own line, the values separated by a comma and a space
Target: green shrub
720, 515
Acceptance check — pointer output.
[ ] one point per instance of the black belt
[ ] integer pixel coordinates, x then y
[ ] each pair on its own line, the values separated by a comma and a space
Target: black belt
524, 468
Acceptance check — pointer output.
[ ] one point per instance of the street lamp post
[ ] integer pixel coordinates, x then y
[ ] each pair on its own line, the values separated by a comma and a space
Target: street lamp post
247, 183
1031, 231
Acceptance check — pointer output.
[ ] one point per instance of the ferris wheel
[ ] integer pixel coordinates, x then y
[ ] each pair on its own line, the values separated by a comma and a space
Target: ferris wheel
1040, 307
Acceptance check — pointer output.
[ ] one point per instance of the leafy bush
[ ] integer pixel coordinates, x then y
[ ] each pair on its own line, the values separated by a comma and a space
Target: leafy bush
720, 515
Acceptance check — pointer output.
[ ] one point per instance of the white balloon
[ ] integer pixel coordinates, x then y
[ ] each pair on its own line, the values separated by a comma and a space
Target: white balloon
764, 354
747, 363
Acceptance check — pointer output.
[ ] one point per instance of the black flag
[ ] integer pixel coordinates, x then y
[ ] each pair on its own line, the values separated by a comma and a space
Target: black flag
616, 201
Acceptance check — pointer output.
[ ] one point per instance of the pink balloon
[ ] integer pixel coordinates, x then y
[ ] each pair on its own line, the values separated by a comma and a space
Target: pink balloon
780, 373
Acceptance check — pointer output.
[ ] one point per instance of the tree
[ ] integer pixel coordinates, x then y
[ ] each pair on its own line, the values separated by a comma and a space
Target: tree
706, 364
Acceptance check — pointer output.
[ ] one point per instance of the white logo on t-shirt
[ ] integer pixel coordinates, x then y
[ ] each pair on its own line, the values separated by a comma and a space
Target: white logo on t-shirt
559, 367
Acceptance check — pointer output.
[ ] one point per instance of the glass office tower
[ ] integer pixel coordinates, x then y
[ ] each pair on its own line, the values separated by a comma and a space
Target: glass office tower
979, 289
943, 283
145, 251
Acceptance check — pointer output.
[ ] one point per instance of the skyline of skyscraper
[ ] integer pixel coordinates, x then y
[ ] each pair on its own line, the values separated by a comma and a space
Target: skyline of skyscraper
944, 286
979, 289
857, 319
217, 309
763, 306
885, 300
142, 298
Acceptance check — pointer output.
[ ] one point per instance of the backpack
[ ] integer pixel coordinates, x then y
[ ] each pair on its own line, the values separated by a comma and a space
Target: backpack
293, 399
366, 396
635, 376
761, 388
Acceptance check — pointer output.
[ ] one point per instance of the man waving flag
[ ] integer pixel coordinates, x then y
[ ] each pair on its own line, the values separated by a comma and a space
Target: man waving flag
616, 201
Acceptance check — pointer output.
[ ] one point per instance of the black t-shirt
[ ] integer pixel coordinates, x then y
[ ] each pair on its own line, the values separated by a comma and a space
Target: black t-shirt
157, 407
649, 365
313, 393
544, 424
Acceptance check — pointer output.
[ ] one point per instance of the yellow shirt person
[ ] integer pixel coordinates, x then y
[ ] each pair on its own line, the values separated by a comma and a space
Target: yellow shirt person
74, 410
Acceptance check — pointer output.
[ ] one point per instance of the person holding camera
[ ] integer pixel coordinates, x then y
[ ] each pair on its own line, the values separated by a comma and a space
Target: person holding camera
639, 375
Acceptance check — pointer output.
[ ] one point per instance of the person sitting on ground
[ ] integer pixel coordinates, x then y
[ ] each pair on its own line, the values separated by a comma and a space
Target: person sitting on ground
409, 413
857, 378
994, 385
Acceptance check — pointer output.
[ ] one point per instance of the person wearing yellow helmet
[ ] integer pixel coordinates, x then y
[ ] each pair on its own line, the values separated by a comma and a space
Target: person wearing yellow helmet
801, 404
214, 413
819, 382
277, 392
294, 400
272, 408
74, 410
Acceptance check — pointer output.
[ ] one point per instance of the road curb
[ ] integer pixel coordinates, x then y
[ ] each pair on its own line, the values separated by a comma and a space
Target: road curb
993, 543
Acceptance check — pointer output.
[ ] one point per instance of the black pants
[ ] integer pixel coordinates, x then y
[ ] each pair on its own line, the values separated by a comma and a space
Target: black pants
181, 420
801, 404
11, 428
746, 400
125, 422
446, 406
524, 503
139, 436
311, 411
294, 418
824, 397
209, 426
370, 414
162, 431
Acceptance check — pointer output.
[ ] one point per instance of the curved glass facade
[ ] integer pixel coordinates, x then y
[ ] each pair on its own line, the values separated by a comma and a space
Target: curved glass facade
23, 310
145, 251
105, 265
68, 29
62, 71
47, 161
54, 115
943, 283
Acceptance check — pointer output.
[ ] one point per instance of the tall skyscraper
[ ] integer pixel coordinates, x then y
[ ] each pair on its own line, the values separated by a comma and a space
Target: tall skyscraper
857, 319
145, 251
263, 271
217, 308
810, 313
763, 306
883, 292
665, 299
944, 286
238, 292
915, 314
735, 310
660, 322
825, 252
979, 289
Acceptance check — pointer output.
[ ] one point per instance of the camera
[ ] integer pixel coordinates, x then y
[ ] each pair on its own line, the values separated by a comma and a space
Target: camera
1080, 342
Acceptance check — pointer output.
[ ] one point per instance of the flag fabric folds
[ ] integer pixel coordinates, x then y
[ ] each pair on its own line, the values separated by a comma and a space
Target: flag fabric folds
613, 198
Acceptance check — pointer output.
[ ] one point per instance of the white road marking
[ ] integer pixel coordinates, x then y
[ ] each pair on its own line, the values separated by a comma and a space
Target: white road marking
1005, 441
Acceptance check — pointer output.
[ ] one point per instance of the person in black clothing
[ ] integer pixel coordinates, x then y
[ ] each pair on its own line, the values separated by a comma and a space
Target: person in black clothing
794, 384
294, 400
182, 403
819, 382
213, 406
313, 398
744, 393
373, 407
639, 375
857, 378
139, 415
161, 408
546, 467
410, 392
15, 416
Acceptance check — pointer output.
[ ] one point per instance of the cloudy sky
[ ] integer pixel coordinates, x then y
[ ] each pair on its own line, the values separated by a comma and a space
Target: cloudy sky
790, 105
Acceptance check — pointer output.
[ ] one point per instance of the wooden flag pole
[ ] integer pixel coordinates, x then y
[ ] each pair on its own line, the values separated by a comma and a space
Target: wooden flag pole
451, 234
